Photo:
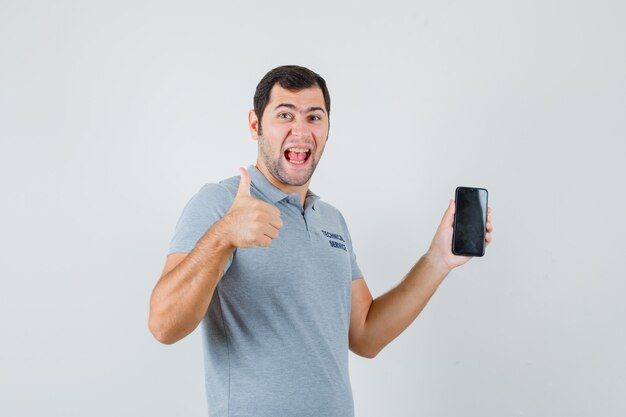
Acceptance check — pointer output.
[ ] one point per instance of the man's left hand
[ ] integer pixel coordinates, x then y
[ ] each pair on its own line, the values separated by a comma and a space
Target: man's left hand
440, 251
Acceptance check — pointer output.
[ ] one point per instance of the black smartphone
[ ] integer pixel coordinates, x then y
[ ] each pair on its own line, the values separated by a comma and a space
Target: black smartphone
470, 221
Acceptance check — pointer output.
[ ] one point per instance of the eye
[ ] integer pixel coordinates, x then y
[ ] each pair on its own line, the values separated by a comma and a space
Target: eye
316, 118
284, 116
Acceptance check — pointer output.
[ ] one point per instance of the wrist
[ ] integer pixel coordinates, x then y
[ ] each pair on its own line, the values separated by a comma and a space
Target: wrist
437, 263
221, 234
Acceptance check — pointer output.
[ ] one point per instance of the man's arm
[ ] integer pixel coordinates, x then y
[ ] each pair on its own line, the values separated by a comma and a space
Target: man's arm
375, 323
182, 295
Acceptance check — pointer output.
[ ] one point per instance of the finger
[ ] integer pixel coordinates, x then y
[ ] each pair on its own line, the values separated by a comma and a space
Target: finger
244, 183
275, 210
276, 222
268, 208
489, 210
448, 216
271, 232
489, 227
488, 238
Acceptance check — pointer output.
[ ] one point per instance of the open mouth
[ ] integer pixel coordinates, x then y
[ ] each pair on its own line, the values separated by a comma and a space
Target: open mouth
297, 156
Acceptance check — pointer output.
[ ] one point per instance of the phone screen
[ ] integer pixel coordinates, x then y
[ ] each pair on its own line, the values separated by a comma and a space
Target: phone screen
470, 220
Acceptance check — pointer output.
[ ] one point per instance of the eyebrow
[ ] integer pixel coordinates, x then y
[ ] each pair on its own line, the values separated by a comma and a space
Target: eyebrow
293, 107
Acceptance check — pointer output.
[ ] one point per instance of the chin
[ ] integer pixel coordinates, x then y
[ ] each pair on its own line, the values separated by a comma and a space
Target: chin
297, 179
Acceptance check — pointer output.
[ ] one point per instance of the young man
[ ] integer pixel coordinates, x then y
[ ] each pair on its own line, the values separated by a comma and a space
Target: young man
269, 270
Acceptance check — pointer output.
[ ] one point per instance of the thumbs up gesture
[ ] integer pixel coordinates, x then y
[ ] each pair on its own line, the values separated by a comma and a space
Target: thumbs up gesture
251, 222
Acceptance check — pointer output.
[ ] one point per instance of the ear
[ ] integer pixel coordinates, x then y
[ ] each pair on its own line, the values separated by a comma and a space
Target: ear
253, 124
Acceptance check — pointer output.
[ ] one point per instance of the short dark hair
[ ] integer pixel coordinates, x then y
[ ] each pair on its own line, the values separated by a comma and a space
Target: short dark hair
290, 77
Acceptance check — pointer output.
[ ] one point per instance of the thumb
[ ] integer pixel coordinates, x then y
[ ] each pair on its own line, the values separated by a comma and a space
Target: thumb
448, 216
244, 183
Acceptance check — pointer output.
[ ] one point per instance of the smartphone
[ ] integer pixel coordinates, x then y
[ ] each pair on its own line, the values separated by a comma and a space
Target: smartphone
470, 221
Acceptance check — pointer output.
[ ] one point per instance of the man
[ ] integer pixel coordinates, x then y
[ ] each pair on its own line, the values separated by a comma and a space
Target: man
269, 270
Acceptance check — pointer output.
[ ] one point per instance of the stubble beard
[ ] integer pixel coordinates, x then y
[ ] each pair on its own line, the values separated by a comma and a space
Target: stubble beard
278, 168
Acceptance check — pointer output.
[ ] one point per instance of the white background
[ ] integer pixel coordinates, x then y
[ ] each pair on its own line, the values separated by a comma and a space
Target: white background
113, 114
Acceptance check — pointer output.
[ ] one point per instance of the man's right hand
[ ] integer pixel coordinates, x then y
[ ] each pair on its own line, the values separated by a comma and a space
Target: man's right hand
251, 222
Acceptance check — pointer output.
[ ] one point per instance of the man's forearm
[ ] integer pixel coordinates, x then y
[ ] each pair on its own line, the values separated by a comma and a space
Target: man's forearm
182, 296
391, 313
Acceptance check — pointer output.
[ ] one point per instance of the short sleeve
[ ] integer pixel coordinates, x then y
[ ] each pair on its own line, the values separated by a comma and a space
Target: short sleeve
356, 271
205, 208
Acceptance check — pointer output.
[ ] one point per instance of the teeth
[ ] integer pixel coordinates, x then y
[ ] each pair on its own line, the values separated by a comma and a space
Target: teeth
298, 150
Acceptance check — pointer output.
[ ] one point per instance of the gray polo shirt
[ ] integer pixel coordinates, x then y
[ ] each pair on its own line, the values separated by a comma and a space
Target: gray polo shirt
275, 335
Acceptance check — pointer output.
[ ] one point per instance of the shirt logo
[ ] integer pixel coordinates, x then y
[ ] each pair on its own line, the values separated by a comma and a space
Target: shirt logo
336, 237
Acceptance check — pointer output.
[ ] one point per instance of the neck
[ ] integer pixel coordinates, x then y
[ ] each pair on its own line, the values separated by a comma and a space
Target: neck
285, 188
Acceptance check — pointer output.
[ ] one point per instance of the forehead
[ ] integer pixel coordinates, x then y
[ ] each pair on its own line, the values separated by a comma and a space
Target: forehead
305, 98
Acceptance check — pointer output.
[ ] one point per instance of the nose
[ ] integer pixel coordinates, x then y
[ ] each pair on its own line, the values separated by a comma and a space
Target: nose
299, 127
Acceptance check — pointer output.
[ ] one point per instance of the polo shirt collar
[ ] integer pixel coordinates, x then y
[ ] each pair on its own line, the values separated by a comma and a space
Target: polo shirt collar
269, 190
